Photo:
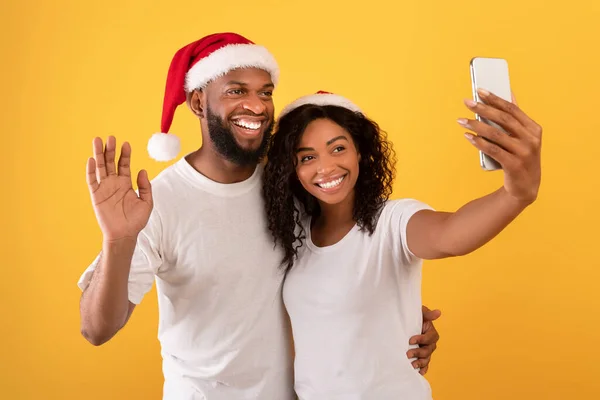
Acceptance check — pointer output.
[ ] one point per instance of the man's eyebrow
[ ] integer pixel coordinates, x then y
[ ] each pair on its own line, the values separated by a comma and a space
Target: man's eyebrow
265, 86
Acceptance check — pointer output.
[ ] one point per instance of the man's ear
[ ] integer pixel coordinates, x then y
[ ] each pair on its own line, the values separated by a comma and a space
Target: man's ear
196, 102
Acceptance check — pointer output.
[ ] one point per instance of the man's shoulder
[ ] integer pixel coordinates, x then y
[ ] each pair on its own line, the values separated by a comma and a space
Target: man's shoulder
169, 185
170, 180
166, 174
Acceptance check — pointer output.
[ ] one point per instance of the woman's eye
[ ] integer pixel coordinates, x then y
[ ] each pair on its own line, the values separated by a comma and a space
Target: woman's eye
306, 158
338, 149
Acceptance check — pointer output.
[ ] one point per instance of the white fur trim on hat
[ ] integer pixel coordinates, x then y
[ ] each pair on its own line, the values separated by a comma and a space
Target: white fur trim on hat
227, 58
321, 99
164, 146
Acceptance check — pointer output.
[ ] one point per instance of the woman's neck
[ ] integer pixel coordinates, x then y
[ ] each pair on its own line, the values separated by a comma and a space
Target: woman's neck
334, 222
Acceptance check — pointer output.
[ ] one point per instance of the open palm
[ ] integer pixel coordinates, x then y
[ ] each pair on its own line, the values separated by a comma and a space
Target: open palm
120, 211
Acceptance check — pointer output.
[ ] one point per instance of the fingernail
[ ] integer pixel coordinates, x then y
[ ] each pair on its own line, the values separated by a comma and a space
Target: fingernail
483, 92
470, 137
415, 366
463, 121
470, 103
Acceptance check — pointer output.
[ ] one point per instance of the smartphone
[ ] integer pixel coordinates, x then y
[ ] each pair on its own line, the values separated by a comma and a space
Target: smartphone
490, 74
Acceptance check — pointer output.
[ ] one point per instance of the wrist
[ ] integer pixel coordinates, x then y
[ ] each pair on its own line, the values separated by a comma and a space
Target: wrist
517, 202
120, 242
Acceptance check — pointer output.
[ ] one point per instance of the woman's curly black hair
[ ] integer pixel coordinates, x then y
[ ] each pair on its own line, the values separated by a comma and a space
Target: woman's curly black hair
281, 184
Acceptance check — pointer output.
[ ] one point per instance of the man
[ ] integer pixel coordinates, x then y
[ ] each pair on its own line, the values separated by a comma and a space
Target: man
199, 231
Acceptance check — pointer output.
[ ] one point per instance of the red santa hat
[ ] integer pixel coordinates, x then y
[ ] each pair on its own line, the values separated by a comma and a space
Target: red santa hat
321, 98
196, 65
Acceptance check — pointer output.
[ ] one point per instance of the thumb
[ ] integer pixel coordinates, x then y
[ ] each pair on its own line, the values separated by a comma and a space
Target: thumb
431, 315
144, 187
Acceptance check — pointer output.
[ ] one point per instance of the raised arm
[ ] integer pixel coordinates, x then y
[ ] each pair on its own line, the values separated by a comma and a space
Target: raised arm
433, 235
121, 214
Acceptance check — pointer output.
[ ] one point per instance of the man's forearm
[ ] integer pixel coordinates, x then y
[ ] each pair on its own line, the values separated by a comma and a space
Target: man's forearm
104, 304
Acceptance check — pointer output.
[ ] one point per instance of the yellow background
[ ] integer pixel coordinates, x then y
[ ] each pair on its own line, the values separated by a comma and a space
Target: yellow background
520, 316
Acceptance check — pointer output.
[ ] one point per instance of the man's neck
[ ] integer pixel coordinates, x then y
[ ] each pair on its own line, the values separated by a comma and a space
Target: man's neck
216, 168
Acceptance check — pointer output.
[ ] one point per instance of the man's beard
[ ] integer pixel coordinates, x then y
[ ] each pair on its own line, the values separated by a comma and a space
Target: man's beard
226, 145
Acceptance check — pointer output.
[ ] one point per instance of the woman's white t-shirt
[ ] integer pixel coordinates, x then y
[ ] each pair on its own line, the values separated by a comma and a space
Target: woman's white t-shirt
354, 306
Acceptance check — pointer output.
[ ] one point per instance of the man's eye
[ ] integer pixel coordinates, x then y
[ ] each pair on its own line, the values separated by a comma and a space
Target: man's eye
235, 91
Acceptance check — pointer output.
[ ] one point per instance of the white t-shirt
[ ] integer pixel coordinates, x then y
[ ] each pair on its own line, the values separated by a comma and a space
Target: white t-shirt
354, 306
223, 329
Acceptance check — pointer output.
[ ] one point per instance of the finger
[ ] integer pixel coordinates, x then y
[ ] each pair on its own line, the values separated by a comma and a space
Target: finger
125, 160
424, 370
421, 352
421, 363
90, 174
431, 315
99, 157
507, 142
513, 98
493, 150
144, 187
109, 155
504, 119
417, 339
429, 337
508, 107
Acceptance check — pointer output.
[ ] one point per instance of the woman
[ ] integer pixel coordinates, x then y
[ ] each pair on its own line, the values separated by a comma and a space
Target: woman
353, 257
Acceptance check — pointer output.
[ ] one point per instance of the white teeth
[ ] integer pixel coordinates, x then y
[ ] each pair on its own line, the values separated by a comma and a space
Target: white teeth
248, 124
332, 184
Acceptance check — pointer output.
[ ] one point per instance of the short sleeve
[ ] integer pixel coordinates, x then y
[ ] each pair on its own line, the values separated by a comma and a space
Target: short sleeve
397, 214
144, 265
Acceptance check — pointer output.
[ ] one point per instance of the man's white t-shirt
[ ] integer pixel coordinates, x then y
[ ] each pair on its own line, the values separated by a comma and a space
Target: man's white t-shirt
354, 306
223, 329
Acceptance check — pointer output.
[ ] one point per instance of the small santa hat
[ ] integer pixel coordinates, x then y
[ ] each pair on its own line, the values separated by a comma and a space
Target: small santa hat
321, 98
196, 65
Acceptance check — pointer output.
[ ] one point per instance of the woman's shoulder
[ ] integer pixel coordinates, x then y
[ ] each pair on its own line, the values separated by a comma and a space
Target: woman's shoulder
402, 208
